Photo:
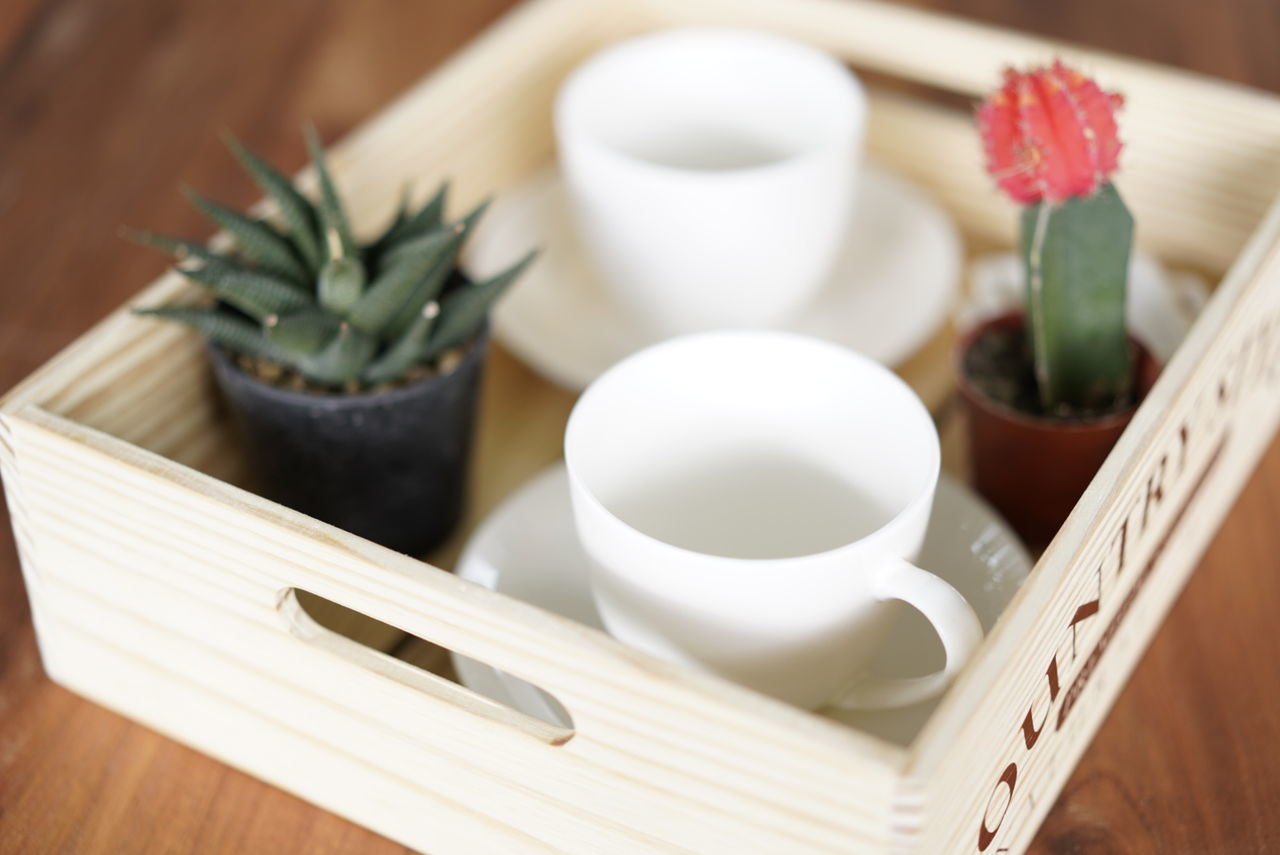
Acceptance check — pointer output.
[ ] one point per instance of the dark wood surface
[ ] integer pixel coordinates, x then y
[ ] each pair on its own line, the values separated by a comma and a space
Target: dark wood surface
105, 107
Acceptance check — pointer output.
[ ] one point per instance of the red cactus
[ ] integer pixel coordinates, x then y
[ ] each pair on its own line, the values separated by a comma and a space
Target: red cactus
1050, 134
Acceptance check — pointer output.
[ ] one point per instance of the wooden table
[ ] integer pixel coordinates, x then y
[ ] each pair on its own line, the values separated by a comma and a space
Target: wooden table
106, 107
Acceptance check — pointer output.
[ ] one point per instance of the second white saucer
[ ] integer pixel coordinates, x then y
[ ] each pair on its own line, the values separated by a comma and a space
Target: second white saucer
892, 289
528, 549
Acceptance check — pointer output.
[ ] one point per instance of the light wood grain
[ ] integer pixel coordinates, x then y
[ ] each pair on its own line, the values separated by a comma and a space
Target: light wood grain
160, 594
90, 611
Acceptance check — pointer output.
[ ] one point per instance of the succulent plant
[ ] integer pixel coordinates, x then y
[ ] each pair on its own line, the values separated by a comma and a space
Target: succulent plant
309, 297
1051, 144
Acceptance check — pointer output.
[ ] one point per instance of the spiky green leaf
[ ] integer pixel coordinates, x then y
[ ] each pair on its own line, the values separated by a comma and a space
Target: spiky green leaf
427, 290
470, 220
431, 214
189, 255
406, 247
332, 213
301, 333
253, 292
342, 281
233, 333
181, 250
342, 359
400, 281
463, 311
427, 218
438, 247
405, 350
372, 252
430, 287
258, 239
296, 210
401, 216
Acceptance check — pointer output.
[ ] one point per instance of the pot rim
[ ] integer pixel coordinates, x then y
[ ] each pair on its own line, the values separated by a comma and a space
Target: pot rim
219, 357
978, 398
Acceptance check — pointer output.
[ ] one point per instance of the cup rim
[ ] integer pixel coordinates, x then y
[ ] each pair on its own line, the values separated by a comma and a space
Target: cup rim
579, 486
567, 118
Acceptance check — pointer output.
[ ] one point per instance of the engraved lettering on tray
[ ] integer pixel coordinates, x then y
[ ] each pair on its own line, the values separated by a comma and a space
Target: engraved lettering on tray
1253, 363
1003, 793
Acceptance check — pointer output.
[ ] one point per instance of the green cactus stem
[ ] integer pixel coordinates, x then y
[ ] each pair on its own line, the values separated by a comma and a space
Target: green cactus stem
1076, 258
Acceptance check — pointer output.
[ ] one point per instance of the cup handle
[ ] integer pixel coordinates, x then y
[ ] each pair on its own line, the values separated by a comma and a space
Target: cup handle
953, 619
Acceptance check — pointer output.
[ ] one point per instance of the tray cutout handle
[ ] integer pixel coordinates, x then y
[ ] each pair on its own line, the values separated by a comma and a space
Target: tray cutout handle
303, 625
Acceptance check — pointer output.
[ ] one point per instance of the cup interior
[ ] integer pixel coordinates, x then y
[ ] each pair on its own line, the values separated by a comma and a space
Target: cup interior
710, 100
752, 445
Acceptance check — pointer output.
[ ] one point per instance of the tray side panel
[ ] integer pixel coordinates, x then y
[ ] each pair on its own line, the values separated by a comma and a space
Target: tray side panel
25, 542
1002, 745
162, 594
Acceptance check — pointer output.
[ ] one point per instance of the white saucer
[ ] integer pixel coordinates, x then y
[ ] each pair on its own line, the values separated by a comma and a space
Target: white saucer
892, 290
527, 549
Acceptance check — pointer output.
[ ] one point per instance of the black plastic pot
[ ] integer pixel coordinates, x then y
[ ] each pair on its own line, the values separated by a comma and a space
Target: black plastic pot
388, 466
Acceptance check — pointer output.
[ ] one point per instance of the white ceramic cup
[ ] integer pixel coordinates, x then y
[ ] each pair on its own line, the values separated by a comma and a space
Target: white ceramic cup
711, 173
750, 502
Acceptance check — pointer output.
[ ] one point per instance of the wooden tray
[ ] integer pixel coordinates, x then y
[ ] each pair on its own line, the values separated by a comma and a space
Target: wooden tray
161, 589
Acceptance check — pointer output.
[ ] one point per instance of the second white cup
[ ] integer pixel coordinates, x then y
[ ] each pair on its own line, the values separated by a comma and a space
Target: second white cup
751, 502
712, 173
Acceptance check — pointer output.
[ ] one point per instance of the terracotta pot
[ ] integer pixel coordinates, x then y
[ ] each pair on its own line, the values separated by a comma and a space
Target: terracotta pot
1034, 469
388, 466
